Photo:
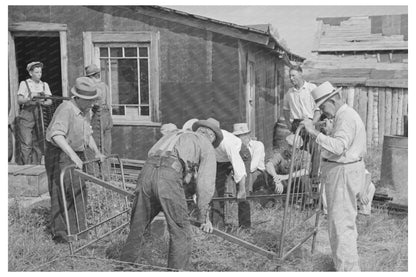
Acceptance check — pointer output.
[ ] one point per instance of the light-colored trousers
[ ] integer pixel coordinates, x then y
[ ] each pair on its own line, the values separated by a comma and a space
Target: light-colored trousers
342, 184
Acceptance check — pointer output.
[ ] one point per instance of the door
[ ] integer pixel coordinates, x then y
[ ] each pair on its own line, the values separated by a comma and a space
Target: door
251, 97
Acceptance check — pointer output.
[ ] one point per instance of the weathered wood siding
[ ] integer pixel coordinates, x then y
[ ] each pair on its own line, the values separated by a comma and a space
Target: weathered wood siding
199, 70
382, 111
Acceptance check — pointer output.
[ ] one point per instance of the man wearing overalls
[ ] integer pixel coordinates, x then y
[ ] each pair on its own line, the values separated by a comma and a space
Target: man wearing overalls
29, 131
172, 162
101, 121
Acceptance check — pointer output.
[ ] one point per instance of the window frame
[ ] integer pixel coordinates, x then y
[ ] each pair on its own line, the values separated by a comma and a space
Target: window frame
92, 42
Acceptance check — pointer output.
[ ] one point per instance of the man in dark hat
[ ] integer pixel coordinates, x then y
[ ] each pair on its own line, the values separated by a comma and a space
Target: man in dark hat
68, 135
171, 164
29, 129
343, 172
101, 121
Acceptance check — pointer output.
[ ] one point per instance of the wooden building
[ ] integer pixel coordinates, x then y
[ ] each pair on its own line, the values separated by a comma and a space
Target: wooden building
368, 57
162, 66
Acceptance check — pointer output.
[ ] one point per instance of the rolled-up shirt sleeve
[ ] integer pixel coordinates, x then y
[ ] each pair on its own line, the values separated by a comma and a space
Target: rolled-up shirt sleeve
47, 89
341, 139
60, 124
239, 168
23, 89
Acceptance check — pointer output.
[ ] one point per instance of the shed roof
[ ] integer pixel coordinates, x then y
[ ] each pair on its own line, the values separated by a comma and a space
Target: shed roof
362, 33
259, 35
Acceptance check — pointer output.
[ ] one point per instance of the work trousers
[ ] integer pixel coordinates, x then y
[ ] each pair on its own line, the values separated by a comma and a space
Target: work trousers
342, 184
29, 136
218, 207
75, 193
160, 188
102, 123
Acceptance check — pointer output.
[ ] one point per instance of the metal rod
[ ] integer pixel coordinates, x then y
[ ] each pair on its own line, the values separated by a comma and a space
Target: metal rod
240, 242
297, 245
102, 183
100, 238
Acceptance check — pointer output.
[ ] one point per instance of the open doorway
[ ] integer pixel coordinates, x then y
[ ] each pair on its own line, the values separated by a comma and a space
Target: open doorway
43, 49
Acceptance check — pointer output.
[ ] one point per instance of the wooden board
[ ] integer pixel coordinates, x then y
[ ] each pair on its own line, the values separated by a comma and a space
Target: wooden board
362, 103
405, 102
356, 98
388, 106
400, 129
370, 117
27, 180
394, 104
375, 116
381, 114
350, 96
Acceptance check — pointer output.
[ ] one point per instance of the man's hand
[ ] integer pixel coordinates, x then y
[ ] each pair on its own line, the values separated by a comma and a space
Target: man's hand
363, 199
279, 188
100, 156
207, 226
78, 162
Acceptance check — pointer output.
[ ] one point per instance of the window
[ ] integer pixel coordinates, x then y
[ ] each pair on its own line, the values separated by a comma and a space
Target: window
125, 68
129, 66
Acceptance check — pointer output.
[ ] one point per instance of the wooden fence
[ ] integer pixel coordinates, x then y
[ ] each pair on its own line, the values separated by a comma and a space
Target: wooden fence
381, 109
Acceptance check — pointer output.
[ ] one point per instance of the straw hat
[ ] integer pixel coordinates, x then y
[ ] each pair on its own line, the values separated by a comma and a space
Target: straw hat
290, 139
85, 88
91, 70
323, 92
240, 129
212, 124
166, 128
188, 124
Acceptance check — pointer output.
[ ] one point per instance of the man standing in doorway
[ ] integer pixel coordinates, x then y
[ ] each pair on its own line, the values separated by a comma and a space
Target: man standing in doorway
298, 103
343, 172
30, 133
101, 121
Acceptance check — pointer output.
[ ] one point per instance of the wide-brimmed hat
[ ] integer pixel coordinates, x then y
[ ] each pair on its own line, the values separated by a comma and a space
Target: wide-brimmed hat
212, 124
290, 139
91, 70
240, 129
85, 88
323, 92
32, 65
188, 124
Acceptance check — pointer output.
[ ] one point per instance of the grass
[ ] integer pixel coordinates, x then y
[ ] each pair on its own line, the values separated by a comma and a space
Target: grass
382, 246
382, 243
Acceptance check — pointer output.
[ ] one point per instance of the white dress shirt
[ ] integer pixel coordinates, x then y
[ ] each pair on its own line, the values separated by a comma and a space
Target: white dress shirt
300, 102
229, 151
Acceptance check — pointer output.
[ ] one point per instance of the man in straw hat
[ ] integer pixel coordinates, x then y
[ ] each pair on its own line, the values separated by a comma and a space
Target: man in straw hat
232, 156
101, 121
256, 148
343, 172
68, 136
29, 132
172, 162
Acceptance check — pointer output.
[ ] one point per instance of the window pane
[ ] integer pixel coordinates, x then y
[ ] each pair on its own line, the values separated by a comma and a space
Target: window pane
144, 110
144, 81
116, 52
143, 51
119, 110
105, 77
130, 52
124, 82
103, 52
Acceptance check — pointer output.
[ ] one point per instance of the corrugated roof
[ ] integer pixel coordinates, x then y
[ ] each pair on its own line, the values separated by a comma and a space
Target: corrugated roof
362, 33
